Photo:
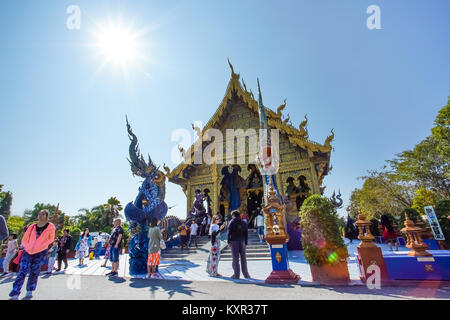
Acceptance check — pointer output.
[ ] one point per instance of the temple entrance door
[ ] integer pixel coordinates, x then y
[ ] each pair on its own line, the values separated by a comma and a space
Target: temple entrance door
255, 193
254, 200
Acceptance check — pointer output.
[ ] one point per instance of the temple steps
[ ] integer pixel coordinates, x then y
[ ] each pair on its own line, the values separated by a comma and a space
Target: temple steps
255, 249
175, 253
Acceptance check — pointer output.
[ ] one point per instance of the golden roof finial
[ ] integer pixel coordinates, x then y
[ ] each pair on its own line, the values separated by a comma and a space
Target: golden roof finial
329, 139
243, 83
231, 66
166, 168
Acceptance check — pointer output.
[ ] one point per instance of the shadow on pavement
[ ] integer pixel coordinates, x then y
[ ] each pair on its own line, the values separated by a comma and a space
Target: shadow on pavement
395, 292
116, 279
171, 287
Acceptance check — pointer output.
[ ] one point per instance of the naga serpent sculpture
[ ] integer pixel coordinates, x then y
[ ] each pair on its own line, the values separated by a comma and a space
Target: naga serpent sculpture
339, 202
148, 204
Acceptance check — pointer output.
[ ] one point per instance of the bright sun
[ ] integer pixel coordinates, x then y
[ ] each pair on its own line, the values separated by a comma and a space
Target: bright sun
118, 45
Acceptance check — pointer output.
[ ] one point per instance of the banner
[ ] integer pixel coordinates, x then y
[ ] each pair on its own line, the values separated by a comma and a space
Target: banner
434, 223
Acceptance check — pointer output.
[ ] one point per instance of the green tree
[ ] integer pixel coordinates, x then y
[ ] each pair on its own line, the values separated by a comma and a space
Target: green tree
428, 164
380, 194
15, 224
442, 210
111, 210
424, 198
5, 202
91, 219
413, 215
99, 218
30, 215
441, 131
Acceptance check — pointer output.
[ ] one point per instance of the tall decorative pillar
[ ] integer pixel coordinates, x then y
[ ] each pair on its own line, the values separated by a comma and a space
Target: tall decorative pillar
277, 239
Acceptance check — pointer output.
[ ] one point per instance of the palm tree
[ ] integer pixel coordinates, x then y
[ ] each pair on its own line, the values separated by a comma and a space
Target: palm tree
90, 219
111, 210
31, 215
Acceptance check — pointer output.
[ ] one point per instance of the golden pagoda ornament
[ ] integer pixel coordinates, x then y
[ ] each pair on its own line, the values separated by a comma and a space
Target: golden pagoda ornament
414, 239
365, 235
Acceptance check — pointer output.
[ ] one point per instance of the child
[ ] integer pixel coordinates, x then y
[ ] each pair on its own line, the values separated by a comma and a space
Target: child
51, 255
154, 249
183, 235
3, 250
10, 253
108, 248
16, 261
194, 229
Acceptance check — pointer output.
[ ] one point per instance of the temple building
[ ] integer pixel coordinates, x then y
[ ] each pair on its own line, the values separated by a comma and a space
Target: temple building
302, 164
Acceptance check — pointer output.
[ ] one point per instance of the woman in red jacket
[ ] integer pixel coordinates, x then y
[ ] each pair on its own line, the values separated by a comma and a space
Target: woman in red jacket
389, 234
35, 242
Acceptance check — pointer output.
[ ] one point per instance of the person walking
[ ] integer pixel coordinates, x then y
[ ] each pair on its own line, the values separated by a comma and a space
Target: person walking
115, 242
12, 249
154, 249
35, 241
65, 242
259, 220
82, 247
388, 232
183, 235
237, 241
99, 245
212, 264
351, 232
244, 217
203, 226
51, 256
4, 233
193, 237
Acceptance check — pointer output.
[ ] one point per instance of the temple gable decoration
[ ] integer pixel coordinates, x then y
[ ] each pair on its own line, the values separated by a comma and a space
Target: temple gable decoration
299, 156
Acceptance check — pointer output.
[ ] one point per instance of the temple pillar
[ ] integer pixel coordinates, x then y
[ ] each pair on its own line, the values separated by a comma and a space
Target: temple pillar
188, 196
315, 187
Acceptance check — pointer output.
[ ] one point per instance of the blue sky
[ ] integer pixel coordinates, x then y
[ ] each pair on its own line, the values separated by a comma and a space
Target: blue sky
62, 118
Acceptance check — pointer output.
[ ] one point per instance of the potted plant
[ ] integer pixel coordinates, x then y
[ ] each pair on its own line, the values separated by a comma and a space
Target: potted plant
323, 245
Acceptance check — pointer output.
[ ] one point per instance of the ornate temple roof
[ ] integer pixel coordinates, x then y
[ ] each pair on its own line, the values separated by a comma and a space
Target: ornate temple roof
297, 136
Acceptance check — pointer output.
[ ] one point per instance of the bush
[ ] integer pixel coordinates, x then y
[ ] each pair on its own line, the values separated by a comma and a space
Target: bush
374, 227
321, 238
413, 215
442, 212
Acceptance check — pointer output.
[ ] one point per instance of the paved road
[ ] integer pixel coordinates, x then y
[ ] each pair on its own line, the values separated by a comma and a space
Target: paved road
64, 287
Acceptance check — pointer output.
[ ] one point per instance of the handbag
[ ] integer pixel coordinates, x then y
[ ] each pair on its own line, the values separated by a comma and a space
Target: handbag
162, 244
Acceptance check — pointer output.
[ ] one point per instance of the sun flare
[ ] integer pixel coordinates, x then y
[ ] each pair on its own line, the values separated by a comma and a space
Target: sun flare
118, 45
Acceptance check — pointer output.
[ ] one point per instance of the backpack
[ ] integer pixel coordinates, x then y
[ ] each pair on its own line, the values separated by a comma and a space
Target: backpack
238, 228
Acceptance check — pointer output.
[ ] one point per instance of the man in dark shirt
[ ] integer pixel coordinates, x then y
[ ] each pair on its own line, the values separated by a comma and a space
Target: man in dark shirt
237, 241
65, 242
116, 245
